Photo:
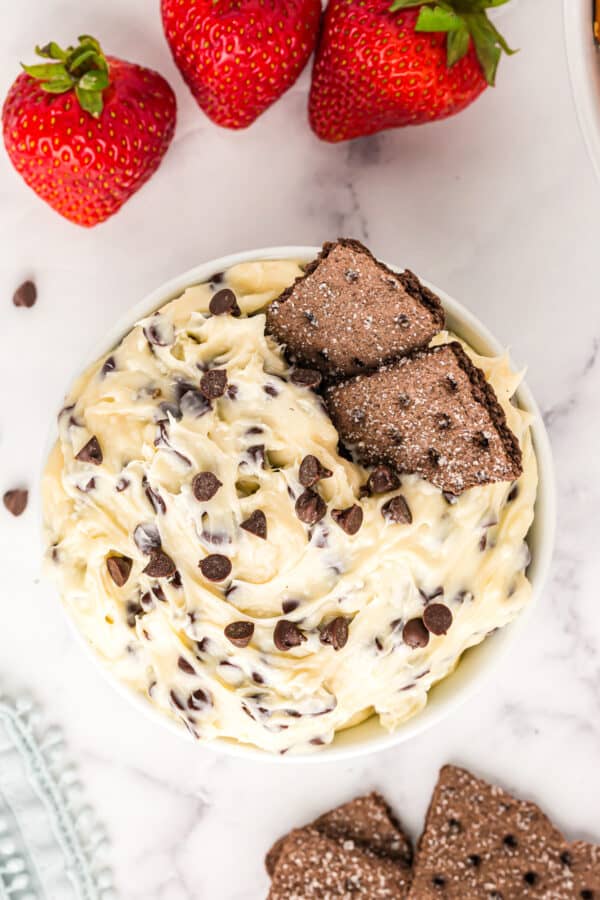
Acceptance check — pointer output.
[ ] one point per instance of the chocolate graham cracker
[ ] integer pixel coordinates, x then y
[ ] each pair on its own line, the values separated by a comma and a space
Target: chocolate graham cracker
479, 842
312, 866
368, 823
348, 312
433, 414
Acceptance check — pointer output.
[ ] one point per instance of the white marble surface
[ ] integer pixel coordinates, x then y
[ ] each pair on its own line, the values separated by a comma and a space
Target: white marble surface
500, 207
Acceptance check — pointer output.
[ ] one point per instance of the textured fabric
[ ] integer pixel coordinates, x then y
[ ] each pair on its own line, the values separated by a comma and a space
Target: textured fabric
51, 845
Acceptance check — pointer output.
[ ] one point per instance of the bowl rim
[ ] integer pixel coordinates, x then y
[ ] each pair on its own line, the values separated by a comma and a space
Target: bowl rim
463, 322
581, 55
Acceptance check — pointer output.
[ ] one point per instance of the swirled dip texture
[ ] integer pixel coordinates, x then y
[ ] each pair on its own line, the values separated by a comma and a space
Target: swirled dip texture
212, 595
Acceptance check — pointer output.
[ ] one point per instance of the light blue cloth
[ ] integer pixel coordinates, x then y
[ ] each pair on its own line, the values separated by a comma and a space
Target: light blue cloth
51, 844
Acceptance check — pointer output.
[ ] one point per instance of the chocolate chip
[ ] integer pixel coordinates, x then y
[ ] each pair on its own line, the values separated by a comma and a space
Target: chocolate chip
146, 537
122, 484
198, 699
310, 507
147, 601
185, 666
205, 485
287, 635
119, 569
133, 610
88, 486
415, 634
256, 453
270, 390
397, 510
176, 701
25, 294
194, 404
224, 303
349, 519
160, 566
215, 567
91, 452
218, 278
109, 366
383, 479
256, 524
437, 618
335, 633
156, 501
239, 633
15, 501
214, 383
311, 471
289, 606
308, 378
159, 332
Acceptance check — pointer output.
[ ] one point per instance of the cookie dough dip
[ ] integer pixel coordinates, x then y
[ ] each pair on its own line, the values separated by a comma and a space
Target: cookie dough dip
223, 550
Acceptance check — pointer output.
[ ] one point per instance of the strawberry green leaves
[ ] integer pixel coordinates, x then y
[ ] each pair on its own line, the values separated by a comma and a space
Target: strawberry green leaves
463, 21
83, 69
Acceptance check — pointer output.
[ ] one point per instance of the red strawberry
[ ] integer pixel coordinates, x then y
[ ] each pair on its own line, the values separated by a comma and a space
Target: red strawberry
86, 131
239, 56
383, 66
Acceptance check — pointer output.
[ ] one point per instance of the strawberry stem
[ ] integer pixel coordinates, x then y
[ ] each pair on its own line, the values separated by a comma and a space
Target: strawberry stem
82, 68
463, 21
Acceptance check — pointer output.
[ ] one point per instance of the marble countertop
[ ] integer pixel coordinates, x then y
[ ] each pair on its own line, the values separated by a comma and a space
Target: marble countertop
499, 207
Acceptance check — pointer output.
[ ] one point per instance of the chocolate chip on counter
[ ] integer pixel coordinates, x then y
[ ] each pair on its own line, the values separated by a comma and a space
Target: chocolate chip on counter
109, 366
415, 634
15, 501
287, 635
239, 633
256, 524
289, 606
25, 294
185, 666
90, 452
349, 519
437, 618
223, 303
205, 485
215, 567
335, 633
308, 378
160, 566
119, 569
383, 479
146, 537
198, 699
310, 507
397, 510
156, 501
312, 471
214, 383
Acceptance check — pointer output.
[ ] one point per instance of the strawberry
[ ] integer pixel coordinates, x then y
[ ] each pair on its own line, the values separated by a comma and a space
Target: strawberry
86, 130
239, 56
380, 66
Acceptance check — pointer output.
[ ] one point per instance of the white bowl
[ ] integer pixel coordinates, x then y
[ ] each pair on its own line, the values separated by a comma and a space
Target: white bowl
584, 67
476, 663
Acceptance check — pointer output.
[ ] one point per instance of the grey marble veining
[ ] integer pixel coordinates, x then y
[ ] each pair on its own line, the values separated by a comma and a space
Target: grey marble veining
500, 208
